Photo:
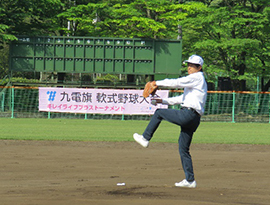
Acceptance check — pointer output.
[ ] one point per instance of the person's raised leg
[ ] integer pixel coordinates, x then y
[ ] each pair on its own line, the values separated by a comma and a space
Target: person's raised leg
170, 115
159, 115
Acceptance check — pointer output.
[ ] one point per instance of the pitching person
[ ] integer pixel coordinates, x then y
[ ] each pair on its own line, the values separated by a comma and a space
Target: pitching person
192, 103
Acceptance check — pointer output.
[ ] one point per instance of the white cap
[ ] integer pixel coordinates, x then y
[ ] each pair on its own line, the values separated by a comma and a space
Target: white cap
195, 59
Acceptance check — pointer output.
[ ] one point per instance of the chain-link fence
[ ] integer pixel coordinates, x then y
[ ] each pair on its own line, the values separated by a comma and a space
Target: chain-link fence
21, 102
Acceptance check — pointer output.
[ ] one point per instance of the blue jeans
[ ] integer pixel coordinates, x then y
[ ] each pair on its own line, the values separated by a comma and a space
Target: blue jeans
189, 121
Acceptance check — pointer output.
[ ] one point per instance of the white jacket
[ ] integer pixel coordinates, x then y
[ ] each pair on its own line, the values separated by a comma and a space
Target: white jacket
195, 91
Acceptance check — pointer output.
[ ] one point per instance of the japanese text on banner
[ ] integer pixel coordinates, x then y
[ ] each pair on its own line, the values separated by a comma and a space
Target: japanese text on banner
101, 101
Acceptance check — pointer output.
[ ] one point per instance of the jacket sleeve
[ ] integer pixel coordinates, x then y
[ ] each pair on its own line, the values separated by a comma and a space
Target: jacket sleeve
183, 82
173, 100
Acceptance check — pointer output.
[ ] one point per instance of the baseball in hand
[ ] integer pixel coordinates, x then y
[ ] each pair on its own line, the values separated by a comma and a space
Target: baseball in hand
154, 102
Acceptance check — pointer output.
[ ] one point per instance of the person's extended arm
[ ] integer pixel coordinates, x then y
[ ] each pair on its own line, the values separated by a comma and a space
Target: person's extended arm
168, 101
187, 81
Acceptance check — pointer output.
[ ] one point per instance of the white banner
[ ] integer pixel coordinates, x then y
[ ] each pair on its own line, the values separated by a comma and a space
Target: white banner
102, 101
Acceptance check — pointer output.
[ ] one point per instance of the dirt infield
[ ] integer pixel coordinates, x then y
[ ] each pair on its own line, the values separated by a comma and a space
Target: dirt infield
68, 173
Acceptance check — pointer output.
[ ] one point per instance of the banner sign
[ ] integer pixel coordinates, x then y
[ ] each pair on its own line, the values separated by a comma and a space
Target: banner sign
101, 101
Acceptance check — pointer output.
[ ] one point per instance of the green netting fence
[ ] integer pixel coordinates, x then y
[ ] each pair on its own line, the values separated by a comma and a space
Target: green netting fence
22, 102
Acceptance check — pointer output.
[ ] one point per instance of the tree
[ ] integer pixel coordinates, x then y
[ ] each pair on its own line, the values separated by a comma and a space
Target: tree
26, 17
148, 19
4, 37
233, 37
31, 17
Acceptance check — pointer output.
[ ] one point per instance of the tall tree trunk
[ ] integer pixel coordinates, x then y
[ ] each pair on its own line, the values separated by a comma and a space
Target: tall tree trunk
265, 87
240, 85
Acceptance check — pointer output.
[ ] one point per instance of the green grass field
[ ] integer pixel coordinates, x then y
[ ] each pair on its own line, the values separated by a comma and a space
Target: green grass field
116, 130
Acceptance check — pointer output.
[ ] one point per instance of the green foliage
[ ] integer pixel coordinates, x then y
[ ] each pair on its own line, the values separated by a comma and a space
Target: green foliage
19, 80
232, 36
4, 60
231, 39
108, 77
148, 19
34, 17
5, 37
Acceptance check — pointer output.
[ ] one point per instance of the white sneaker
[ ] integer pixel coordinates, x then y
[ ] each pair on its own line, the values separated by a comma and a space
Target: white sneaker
141, 140
185, 183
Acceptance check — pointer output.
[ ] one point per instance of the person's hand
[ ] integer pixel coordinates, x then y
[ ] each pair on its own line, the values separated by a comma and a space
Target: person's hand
155, 101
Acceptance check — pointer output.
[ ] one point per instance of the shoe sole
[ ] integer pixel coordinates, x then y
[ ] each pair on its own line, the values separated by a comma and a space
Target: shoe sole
188, 187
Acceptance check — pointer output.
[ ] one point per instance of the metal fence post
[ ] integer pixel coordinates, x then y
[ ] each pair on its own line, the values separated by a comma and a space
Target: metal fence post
3, 102
233, 108
12, 102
